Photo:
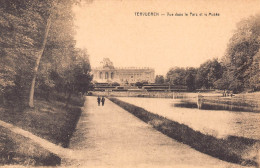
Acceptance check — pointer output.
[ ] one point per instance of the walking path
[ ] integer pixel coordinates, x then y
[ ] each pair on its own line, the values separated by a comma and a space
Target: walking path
111, 137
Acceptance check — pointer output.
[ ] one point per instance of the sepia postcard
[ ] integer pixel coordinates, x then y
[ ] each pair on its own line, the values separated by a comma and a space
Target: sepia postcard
130, 83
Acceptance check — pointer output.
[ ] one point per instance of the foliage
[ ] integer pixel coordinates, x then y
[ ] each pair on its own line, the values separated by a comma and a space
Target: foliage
159, 79
182, 77
115, 84
242, 56
21, 27
140, 84
62, 67
238, 69
190, 79
176, 76
208, 73
254, 80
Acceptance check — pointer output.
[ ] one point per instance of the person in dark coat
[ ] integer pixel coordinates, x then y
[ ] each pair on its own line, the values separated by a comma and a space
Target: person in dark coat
103, 100
98, 101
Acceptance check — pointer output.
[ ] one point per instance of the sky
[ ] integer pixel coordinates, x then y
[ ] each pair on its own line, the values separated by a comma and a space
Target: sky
110, 29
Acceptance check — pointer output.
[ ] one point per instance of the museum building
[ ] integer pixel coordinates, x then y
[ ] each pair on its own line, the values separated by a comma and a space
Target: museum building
107, 73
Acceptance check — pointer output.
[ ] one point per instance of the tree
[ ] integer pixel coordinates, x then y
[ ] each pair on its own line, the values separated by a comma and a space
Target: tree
240, 59
176, 76
208, 73
61, 42
74, 77
190, 78
37, 49
182, 77
190, 82
48, 24
140, 84
254, 80
115, 84
59, 49
20, 31
159, 79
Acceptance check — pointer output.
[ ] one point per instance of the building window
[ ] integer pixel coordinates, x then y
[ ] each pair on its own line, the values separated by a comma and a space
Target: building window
100, 75
112, 75
106, 75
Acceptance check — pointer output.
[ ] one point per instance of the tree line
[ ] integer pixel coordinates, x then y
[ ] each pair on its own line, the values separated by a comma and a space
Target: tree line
238, 70
38, 52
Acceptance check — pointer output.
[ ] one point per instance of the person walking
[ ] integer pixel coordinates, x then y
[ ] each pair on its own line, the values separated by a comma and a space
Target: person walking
103, 100
98, 100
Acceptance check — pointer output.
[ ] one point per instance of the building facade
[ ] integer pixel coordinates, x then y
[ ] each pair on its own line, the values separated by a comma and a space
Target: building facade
107, 73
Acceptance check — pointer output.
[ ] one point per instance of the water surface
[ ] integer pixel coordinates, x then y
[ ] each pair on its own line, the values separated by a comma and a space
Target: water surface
219, 123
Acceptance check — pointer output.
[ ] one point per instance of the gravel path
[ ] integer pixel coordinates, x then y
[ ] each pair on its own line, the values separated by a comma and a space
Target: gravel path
111, 137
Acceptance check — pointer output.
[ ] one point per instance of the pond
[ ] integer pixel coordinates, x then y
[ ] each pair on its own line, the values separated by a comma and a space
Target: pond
219, 123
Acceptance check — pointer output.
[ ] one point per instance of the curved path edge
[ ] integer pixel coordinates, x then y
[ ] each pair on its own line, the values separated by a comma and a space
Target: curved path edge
51, 147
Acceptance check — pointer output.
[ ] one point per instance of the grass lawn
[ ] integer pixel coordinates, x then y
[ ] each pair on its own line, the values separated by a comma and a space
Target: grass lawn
18, 150
50, 120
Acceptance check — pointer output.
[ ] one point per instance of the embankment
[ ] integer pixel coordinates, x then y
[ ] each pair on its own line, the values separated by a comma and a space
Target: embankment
237, 103
232, 149
51, 120
133, 94
18, 150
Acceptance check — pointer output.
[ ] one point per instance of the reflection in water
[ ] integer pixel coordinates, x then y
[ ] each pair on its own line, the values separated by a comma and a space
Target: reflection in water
212, 106
219, 123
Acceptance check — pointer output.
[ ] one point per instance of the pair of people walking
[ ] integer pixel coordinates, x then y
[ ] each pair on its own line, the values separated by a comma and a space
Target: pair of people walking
102, 100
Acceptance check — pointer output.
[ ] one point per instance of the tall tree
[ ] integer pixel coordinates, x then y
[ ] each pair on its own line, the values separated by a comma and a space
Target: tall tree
58, 43
208, 73
159, 79
240, 61
37, 47
40, 53
190, 79
254, 79
176, 76
19, 25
